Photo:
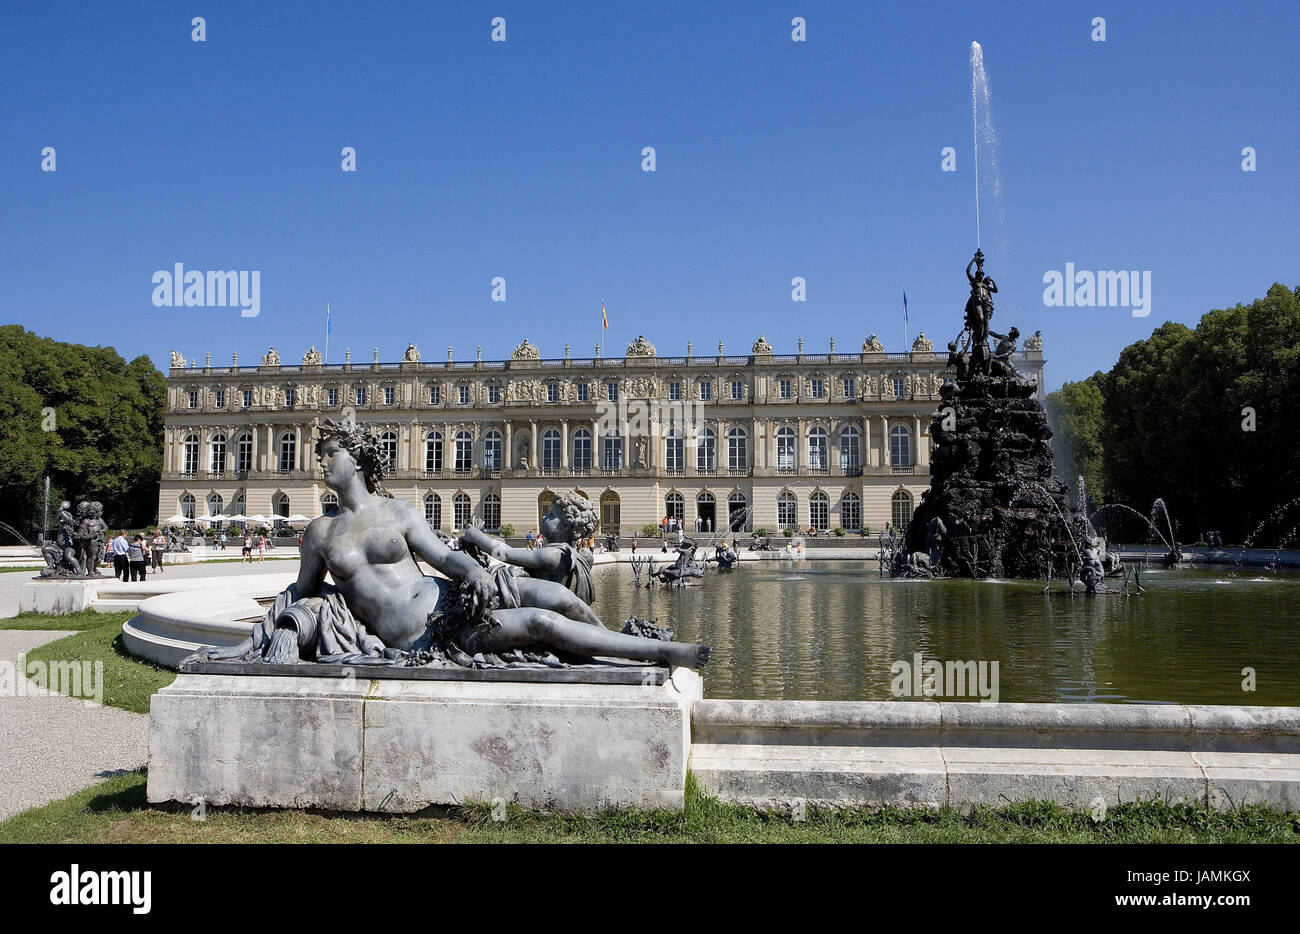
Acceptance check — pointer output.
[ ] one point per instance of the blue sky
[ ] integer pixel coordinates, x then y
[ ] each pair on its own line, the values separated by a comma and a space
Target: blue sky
522, 159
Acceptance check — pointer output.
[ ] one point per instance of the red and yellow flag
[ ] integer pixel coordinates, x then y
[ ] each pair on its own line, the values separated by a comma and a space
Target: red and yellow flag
604, 320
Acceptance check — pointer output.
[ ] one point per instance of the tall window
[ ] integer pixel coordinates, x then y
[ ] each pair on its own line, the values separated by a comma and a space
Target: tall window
550, 449
461, 512
706, 451
290, 397
675, 506
433, 452
238, 507
818, 450
900, 447
388, 447
217, 461
582, 392
187, 506
611, 389
492, 452
389, 395
221, 398
850, 450
544, 501
611, 452
552, 392
787, 510
360, 395
674, 390
492, 512
900, 387
706, 390
737, 389
737, 449
280, 505
582, 449
435, 397
674, 450
464, 456
246, 397
819, 510
737, 511
328, 501
288, 452
433, 510
785, 449
818, 389
332, 396
194, 398
215, 502
244, 454
494, 394
785, 388
901, 509
851, 511
610, 512
463, 392
190, 454
850, 388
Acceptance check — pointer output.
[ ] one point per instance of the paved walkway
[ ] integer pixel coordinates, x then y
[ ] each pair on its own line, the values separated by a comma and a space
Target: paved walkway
53, 745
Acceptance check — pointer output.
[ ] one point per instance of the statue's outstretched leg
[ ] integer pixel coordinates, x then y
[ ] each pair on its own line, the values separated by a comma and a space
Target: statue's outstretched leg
548, 595
528, 626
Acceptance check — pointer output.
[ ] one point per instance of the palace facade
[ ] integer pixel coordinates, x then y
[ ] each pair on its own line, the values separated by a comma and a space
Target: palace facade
761, 441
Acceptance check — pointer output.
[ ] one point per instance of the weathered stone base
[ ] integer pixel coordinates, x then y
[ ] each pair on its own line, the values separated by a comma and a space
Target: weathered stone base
355, 744
58, 596
774, 753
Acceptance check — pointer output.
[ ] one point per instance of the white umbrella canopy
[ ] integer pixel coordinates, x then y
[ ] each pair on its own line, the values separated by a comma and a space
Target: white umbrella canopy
237, 517
258, 518
297, 517
176, 519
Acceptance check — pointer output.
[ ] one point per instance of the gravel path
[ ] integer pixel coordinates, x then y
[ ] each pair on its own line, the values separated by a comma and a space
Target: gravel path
53, 745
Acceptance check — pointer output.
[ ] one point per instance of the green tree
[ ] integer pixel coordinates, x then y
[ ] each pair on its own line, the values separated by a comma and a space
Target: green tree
1076, 413
83, 416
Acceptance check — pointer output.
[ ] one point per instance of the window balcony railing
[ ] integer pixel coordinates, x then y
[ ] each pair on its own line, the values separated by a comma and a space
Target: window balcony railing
216, 474
709, 470
850, 470
785, 468
902, 470
491, 473
433, 471
674, 471
462, 473
819, 471
582, 471
611, 471
738, 471
548, 471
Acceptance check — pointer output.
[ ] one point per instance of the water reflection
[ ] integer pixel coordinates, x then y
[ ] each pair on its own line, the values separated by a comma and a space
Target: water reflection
831, 630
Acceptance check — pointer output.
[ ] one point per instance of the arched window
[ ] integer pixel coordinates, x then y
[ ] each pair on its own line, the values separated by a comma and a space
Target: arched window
900, 447
674, 451
582, 449
675, 506
851, 511
190, 455
544, 501
327, 502
433, 510
737, 449
611, 451
492, 451
288, 452
280, 505
706, 451
244, 454
787, 511
901, 509
819, 510
461, 511
850, 450
433, 452
705, 510
550, 450
491, 512
785, 449
215, 502
217, 455
187, 505
818, 451
238, 506
388, 448
464, 459
737, 511
610, 513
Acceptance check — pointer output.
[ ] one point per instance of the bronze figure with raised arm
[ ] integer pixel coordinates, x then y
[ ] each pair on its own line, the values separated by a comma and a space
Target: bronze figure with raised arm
383, 609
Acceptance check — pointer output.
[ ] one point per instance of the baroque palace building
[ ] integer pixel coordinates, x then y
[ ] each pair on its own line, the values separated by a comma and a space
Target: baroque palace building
762, 441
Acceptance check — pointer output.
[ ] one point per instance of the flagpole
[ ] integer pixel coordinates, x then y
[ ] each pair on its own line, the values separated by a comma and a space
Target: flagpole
905, 345
327, 332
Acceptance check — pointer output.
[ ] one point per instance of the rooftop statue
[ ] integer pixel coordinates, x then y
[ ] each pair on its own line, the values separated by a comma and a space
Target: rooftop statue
922, 344
412, 354
382, 609
311, 357
872, 345
641, 348
761, 347
526, 351
178, 360
271, 358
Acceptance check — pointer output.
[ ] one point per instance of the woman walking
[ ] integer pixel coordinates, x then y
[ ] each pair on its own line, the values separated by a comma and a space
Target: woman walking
135, 556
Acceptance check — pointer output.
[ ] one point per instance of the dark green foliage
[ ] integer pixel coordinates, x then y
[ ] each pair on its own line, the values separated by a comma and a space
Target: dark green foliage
105, 441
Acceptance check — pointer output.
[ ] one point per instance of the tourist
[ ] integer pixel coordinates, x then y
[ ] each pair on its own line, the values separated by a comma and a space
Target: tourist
156, 547
223, 541
121, 567
135, 556
528, 539
679, 534
248, 549
634, 538
261, 548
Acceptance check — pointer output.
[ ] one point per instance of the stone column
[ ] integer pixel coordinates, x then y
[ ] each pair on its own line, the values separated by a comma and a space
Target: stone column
507, 455
916, 440
298, 458
448, 449
884, 442
533, 463
866, 441
564, 443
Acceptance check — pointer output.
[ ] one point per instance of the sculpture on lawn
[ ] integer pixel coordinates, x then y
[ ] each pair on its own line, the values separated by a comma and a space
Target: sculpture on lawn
382, 609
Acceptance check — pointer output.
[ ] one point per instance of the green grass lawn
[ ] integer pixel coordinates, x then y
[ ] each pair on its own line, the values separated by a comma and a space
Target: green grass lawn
115, 811
129, 682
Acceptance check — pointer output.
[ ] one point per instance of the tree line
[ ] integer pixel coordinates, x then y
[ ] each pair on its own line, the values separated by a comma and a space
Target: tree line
86, 418
1206, 418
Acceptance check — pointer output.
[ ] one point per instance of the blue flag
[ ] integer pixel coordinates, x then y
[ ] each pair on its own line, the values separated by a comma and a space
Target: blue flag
327, 318
904, 304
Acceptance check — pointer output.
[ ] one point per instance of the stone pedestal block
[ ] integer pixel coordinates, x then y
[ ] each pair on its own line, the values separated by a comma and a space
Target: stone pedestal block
58, 596
355, 744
